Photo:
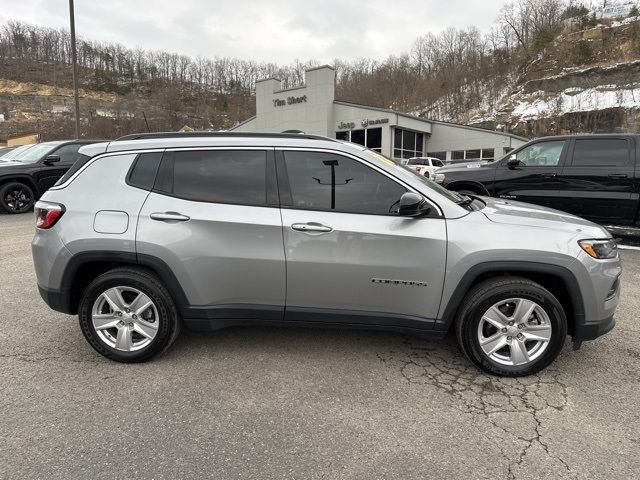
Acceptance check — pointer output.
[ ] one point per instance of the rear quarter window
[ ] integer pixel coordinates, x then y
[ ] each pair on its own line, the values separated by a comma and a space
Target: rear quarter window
144, 170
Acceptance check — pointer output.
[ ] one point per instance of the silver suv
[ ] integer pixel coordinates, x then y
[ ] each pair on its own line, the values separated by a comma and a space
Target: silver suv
155, 231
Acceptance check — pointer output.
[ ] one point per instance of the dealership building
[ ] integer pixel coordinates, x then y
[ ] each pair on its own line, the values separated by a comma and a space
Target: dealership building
312, 108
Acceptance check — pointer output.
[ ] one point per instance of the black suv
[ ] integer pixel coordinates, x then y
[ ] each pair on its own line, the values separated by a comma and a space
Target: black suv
592, 176
28, 172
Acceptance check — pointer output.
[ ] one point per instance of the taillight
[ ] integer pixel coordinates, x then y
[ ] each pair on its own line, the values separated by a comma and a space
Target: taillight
48, 214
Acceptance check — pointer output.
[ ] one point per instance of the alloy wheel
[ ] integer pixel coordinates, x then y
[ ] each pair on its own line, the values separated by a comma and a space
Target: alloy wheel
515, 331
125, 318
17, 199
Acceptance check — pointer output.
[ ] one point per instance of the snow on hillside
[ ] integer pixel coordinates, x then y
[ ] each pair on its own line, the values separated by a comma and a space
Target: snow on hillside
541, 105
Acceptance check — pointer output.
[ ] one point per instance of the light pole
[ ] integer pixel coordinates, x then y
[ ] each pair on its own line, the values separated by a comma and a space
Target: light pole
74, 69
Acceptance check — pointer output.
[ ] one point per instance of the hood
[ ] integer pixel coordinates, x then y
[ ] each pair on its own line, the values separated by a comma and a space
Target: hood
526, 214
10, 163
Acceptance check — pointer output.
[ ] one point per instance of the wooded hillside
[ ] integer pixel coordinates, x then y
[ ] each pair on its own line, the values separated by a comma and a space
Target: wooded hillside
456, 75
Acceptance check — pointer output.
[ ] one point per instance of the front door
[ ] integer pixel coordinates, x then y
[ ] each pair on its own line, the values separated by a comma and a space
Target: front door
535, 178
213, 219
350, 257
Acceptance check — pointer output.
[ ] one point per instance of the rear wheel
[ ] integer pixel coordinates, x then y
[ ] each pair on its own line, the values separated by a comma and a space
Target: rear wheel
511, 326
16, 197
128, 315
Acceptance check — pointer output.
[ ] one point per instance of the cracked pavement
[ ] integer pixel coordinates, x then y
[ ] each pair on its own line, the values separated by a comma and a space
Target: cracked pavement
297, 403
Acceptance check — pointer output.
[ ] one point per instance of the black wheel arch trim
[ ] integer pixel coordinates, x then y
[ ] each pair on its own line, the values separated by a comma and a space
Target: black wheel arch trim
472, 275
460, 184
21, 178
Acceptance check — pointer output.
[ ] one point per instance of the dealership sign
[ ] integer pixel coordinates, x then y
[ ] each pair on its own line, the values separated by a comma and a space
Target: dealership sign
277, 102
365, 123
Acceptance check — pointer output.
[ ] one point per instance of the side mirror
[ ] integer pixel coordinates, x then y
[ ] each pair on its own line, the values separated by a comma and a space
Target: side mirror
413, 205
51, 159
513, 161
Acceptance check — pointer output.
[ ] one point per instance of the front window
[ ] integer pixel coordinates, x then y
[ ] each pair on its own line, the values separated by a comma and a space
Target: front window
542, 154
324, 181
402, 171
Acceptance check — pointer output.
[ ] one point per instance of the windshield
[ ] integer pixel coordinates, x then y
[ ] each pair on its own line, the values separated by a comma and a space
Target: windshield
16, 152
453, 196
33, 154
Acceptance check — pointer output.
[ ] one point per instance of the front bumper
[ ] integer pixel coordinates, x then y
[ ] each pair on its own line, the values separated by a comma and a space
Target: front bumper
592, 330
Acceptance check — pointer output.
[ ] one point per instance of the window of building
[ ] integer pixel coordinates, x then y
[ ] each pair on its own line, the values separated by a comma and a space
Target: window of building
440, 155
487, 153
613, 152
457, 155
507, 150
472, 155
407, 144
358, 136
237, 176
322, 181
370, 137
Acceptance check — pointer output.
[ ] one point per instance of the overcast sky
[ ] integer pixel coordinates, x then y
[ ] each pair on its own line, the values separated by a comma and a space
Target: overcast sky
264, 30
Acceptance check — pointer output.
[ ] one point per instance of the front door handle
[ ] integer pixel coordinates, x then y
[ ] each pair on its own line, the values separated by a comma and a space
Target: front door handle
311, 227
169, 217
618, 175
549, 175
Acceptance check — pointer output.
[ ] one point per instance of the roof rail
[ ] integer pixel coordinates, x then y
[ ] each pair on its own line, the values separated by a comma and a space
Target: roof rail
143, 136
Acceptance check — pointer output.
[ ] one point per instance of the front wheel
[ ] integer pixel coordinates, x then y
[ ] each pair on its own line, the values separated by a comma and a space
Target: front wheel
511, 326
128, 315
16, 197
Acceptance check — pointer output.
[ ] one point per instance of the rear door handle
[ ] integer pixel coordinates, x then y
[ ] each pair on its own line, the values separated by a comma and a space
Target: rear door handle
311, 227
618, 175
169, 216
549, 175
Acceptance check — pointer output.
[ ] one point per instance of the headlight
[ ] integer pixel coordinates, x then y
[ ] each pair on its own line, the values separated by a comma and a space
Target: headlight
438, 177
600, 248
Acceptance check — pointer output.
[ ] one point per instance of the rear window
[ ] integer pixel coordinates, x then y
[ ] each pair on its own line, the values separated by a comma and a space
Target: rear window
418, 161
81, 162
609, 152
217, 176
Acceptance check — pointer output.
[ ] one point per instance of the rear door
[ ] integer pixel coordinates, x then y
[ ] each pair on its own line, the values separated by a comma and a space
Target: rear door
213, 219
535, 178
598, 180
350, 257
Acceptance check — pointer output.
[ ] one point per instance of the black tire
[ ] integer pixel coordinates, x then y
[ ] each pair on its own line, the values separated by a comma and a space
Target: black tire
484, 296
145, 281
16, 197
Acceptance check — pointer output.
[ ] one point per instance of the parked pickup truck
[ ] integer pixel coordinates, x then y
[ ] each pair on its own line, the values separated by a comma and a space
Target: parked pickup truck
592, 176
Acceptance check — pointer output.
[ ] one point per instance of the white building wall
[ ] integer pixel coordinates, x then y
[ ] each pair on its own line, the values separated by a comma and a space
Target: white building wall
448, 137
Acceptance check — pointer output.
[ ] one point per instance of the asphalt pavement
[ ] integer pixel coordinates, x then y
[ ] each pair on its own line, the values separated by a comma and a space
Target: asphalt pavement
306, 404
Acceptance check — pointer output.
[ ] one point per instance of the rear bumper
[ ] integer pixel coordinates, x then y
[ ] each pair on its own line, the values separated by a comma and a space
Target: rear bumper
592, 330
57, 300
